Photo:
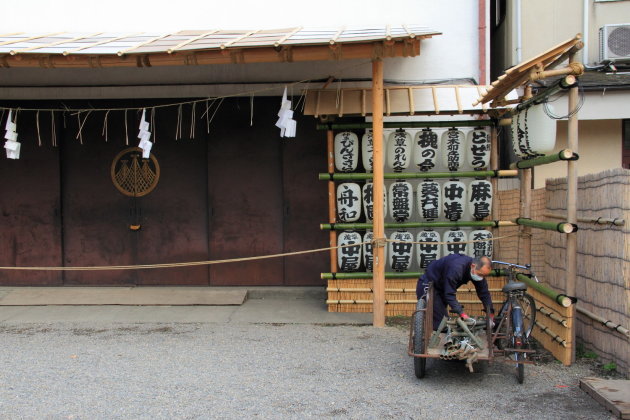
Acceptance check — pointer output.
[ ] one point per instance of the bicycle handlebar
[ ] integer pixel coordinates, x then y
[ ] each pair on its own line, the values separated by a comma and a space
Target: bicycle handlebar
527, 267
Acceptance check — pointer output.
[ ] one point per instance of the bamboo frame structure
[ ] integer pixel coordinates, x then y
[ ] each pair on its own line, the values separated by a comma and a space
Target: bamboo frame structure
408, 124
525, 211
378, 249
564, 154
419, 175
332, 203
411, 225
562, 227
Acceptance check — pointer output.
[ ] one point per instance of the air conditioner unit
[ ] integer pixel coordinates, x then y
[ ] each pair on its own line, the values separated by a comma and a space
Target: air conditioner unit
614, 43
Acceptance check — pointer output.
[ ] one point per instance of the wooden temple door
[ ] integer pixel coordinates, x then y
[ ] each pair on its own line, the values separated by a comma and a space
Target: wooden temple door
103, 226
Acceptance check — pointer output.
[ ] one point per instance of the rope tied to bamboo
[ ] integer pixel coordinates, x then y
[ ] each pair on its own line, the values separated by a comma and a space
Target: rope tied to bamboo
222, 261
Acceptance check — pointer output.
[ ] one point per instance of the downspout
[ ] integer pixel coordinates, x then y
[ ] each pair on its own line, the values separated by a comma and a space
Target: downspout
483, 40
585, 18
519, 34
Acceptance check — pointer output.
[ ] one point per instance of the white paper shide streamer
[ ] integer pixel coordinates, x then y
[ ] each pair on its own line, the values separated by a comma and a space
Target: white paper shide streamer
144, 135
12, 146
286, 123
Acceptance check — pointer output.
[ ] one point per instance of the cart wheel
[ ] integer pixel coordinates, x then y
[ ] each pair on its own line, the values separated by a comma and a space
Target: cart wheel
419, 363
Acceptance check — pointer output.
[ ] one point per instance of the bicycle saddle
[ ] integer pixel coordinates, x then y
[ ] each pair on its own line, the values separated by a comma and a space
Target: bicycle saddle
514, 286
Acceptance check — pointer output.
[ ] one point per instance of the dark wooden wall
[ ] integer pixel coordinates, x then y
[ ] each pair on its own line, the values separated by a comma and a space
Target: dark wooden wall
237, 191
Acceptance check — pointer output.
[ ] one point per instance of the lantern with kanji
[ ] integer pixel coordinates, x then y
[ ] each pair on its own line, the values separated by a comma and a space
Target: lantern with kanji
368, 255
429, 200
367, 151
454, 200
428, 252
399, 150
400, 251
368, 201
480, 249
533, 131
478, 148
480, 199
349, 253
400, 200
348, 202
453, 146
346, 151
425, 151
453, 239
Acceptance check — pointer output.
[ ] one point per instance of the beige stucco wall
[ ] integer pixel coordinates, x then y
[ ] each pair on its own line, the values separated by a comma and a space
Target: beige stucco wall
599, 150
546, 23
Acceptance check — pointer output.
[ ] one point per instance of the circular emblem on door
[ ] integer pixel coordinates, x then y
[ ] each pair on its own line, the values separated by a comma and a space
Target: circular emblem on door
134, 176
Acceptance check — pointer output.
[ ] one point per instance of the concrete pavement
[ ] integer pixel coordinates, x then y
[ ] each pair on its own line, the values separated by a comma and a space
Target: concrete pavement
266, 305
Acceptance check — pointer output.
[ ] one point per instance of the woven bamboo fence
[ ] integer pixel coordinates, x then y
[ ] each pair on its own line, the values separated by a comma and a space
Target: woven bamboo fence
603, 282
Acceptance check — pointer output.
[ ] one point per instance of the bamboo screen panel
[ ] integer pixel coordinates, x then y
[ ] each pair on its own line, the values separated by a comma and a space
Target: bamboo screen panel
603, 282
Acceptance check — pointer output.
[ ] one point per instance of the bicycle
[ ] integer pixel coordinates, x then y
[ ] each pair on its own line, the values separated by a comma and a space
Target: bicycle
515, 320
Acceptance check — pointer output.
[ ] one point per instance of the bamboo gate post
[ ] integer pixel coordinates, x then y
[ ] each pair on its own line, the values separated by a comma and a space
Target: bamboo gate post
332, 203
525, 211
572, 191
378, 305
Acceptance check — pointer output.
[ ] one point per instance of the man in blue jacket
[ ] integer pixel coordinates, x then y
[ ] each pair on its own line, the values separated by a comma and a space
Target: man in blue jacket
447, 274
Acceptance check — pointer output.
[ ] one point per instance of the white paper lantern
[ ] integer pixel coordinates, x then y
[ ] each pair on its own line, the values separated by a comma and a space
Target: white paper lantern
453, 146
367, 151
399, 254
368, 255
348, 202
480, 199
368, 201
429, 199
480, 249
533, 132
346, 151
399, 150
454, 200
426, 148
478, 148
452, 245
426, 253
400, 200
349, 257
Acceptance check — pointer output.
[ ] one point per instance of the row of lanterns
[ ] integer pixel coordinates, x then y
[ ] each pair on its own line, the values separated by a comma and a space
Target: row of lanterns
450, 200
399, 254
455, 147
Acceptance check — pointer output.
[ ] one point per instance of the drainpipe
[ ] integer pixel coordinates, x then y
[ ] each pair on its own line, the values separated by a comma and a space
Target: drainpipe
483, 40
519, 35
585, 17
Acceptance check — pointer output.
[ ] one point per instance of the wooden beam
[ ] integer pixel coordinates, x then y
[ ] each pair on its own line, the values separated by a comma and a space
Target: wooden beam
378, 250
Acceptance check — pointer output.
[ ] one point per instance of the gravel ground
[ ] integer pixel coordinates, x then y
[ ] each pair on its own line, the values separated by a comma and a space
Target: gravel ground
137, 371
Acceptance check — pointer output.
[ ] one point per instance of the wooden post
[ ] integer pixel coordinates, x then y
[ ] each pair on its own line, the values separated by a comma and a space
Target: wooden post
525, 212
572, 191
494, 165
378, 306
332, 199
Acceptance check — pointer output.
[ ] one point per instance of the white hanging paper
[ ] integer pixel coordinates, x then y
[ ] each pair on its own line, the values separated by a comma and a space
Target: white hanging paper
286, 123
11, 145
144, 135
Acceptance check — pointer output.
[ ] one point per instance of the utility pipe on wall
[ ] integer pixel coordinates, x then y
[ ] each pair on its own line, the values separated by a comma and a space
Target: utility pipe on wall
519, 32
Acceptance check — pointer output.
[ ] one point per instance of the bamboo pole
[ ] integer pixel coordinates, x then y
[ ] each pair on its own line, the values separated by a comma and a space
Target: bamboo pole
597, 221
564, 154
332, 202
560, 298
562, 227
525, 211
564, 83
572, 192
390, 275
368, 275
605, 322
411, 225
417, 175
553, 316
408, 124
378, 249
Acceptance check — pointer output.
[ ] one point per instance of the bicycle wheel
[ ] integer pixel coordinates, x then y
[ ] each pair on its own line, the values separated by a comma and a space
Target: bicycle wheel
520, 367
528, 309
518, 341
419, 363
